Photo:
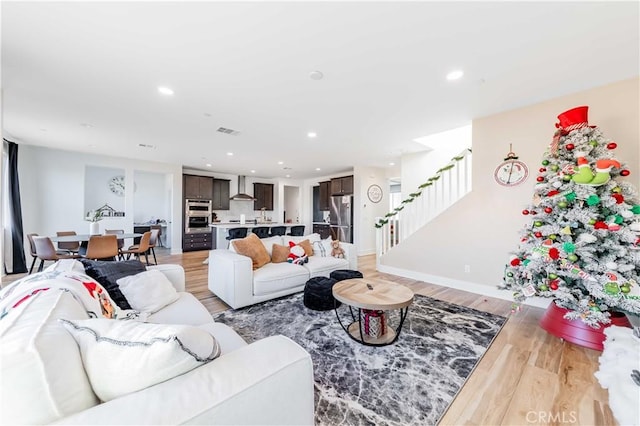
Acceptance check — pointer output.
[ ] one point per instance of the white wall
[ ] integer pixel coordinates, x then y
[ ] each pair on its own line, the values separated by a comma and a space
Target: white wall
481, 229
52, 186
96, 188
365, 212
150, 197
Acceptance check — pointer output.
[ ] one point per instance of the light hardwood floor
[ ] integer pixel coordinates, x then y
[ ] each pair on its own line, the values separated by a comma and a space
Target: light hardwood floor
527, 376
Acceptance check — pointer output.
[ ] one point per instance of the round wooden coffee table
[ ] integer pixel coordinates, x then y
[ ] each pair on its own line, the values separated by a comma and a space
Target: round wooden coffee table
371, 299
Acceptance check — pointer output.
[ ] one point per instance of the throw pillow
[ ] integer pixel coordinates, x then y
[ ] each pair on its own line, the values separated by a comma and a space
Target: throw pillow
323, 247
253, 248
108, 273
306, 245
121, 357
148, 291
279, 253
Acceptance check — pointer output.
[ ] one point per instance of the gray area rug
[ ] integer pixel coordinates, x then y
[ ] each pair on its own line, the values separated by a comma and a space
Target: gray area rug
410, 382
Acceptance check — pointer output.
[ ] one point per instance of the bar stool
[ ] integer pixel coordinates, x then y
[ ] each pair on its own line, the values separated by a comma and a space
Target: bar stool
278, 230
236, 233
297, 231
261, 231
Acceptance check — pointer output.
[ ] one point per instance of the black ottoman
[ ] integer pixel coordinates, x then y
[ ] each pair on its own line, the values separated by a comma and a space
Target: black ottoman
318, 295
345, 274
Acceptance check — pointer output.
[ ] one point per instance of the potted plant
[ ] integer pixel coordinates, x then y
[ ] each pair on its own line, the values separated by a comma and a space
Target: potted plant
94, 216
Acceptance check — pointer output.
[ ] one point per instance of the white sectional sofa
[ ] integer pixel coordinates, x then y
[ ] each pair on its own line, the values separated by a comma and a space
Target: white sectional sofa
43, 380
232, 278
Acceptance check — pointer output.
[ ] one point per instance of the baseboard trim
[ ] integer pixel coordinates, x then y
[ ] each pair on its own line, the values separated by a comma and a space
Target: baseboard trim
485, 290
367, 252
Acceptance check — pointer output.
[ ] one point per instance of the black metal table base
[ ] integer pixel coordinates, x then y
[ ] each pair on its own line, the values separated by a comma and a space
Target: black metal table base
361, 340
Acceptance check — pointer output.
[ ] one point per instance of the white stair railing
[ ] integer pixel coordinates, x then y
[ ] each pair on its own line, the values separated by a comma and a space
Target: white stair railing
448, 185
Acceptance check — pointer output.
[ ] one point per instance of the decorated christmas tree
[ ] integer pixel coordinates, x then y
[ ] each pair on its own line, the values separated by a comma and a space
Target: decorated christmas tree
581, 244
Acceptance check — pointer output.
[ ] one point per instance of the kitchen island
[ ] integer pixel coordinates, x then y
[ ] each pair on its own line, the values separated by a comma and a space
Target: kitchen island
220, 230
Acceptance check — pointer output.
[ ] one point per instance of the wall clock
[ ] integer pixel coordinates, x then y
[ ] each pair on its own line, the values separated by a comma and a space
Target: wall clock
116, 185
374, 193
511, 171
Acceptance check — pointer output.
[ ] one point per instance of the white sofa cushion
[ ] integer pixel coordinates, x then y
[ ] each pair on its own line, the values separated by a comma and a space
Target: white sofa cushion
40, 365
319, 266
274, 277
228, 339
186, 310
148, 291
121, 357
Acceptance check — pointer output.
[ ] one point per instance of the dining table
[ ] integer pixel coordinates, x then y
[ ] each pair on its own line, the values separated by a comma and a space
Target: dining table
79, 238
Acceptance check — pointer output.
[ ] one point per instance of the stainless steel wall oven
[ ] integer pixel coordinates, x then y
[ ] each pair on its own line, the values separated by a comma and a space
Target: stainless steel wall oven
197, 216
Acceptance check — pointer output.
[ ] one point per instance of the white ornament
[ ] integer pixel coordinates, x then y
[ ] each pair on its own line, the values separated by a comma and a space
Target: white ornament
611, 265
635, 226
626, 213
587, 238
557, 184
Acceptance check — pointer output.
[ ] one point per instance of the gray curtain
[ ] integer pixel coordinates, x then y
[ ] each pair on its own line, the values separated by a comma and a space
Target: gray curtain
14, 258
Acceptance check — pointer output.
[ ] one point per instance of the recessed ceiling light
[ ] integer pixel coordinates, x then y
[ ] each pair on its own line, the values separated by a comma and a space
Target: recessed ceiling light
455, 75
316, 75
208, 164
312, 134
280, 162
165, 90
392, 164
318, 169
253, 171
229, 154
288, 176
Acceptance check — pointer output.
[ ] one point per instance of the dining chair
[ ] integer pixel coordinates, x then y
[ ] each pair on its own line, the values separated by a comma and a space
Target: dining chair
159, 228
139, 249
70, 246
102, 247
297, 231
278, 230
155, 234
45, 251
261, 231
120, 240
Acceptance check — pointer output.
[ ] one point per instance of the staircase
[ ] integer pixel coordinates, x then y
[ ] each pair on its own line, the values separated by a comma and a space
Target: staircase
449, 184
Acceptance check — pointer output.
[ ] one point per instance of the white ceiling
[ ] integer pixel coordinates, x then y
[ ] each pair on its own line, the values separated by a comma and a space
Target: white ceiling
245, 66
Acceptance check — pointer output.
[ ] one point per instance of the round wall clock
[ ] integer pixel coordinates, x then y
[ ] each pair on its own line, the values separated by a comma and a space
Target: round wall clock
511, 172
374, 193
116, 185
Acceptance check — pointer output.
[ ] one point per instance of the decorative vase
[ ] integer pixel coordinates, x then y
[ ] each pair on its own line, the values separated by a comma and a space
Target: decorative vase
94, 228
576, 331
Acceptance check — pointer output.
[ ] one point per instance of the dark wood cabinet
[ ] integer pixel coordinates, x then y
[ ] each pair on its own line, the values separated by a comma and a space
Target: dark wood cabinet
263, 194
342, 185
323, 230
199, 241
220, 199
197, 187
325, 196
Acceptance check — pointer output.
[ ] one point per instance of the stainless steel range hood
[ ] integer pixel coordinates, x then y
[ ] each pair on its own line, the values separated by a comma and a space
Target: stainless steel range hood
242, 195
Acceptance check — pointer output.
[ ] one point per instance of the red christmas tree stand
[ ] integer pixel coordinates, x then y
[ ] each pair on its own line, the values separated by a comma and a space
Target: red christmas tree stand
576, 331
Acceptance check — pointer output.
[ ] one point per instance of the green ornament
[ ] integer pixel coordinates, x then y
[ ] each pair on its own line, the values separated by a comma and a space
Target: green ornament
545, 162
635, 209
552, 276
537, 223
552, 237
510, 274
625, 288
568, 247
594, 309
570, 196
544, 287
616, 190
566, 178
572, 257
593, 200
619, 219
526, 262
593, 143
554, 167
611, 288
562, 204
592, 221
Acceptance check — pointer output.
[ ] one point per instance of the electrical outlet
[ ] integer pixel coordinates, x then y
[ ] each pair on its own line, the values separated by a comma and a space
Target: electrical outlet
467, 268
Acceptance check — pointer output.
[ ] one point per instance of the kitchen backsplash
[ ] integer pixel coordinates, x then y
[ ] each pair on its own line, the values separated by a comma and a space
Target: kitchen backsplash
236, 208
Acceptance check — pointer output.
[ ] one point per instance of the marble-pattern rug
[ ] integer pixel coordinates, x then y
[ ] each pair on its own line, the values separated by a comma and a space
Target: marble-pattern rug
412, 381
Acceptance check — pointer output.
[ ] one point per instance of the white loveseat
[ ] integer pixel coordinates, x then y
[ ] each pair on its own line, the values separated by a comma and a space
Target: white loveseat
232, 278
43, 380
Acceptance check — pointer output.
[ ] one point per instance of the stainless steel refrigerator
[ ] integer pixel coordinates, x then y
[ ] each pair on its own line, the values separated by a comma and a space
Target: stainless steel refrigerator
341, 218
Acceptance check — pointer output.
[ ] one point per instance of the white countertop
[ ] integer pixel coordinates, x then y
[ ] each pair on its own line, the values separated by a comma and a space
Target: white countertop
249, 225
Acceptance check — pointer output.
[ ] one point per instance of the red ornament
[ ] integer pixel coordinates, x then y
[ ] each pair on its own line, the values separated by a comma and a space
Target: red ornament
612, 145
619, 198
552, 193
534, 212
538, 234
553, 285
540, 179
525, 212
625, 172
554, 253
542, 170
600, 225
515, 262
570, 146
548, 209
